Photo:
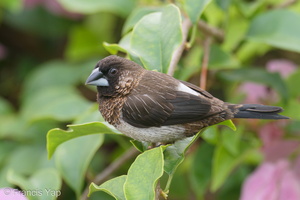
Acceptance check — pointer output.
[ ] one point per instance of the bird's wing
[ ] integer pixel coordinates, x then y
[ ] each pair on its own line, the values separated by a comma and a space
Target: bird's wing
178, 107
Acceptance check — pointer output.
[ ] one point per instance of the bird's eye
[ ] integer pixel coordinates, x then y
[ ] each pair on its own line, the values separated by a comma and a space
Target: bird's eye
113, 71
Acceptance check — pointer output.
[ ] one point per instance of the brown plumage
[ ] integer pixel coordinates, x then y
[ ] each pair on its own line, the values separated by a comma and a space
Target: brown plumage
154, 107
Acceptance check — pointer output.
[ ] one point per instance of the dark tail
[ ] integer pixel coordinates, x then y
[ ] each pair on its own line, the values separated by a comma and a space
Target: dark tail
256, 111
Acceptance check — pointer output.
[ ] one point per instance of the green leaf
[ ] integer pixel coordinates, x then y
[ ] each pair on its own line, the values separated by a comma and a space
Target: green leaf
57, 136
292, 81
229, 153
174, 154
223, 163
119, 7
292, 109
113, 187
154, 39
219, 59
136, 15
76, 155
200, 173
143, 175
229, 124
211, 135
249, 50
51, 74
231, 140
5, 107
12, 5
279, 28
113, 48
140, 146
190, 64
258, 76
33, 22
249, 8
122, 46
44, 184
55, 102
28, 155
224, 4
236, 29
82, 44
194, 8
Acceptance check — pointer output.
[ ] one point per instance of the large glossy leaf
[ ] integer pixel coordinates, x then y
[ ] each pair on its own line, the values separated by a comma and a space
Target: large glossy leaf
143, 175
154, 39
44, 184
194, 8
119, 7
136, 15
76, 154
113, 187
57, 136
279, 28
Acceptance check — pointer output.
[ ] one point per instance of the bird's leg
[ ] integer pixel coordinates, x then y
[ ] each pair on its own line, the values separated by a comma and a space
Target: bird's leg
158, 144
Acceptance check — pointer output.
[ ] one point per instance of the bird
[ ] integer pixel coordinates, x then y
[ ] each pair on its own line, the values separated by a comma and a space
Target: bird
154, 107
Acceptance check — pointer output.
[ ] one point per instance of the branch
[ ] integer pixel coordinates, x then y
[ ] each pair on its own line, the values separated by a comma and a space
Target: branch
100, 178
285, 4
186, 25
205, 60
212, 31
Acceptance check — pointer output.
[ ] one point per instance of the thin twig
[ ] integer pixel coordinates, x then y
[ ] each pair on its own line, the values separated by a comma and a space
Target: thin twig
157, 190
205, 60
100, 178
186, 25
212, 31
285, 4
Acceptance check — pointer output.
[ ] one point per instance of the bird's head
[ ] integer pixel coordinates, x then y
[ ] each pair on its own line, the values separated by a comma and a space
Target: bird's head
114, 76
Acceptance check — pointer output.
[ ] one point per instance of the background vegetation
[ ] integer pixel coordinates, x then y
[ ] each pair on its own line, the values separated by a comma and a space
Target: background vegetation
241, 51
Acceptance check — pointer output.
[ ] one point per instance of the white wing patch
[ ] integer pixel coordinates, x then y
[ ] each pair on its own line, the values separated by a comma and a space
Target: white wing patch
183, 88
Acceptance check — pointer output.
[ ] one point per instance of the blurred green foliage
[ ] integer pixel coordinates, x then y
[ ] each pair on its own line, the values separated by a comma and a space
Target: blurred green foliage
48, 48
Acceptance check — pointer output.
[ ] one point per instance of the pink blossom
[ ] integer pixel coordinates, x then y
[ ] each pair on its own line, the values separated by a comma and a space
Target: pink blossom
11, 194
272, 181
274, 147
282, 66
257, 93
289, 187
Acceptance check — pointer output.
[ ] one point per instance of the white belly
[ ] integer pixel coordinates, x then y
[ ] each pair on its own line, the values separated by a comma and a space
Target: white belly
164, 134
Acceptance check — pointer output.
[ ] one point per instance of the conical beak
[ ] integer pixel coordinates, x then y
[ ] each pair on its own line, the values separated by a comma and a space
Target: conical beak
97, 78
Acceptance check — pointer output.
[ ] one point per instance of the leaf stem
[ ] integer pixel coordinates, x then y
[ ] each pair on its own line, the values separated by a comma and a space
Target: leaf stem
186, 25
166, 190
211, 31
205, 60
